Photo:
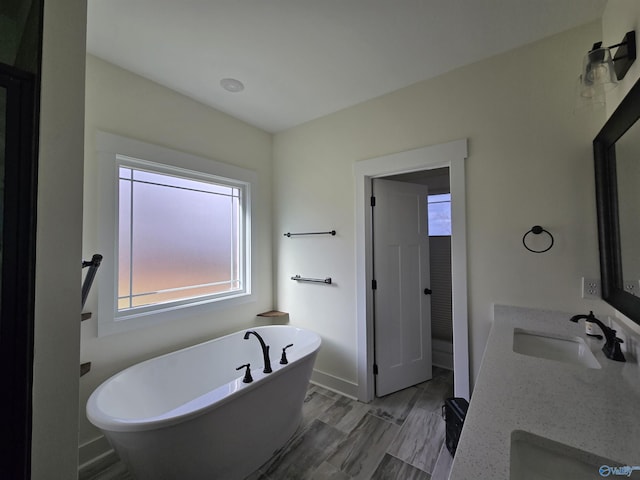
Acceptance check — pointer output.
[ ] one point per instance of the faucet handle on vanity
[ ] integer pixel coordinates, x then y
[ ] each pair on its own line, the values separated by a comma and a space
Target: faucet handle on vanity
283, 360
247, 374
611, 347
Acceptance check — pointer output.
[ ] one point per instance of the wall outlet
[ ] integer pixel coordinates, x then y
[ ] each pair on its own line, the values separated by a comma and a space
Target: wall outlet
632, 287
591, 288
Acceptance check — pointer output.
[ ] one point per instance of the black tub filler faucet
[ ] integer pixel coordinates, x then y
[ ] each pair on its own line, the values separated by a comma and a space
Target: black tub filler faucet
265, 350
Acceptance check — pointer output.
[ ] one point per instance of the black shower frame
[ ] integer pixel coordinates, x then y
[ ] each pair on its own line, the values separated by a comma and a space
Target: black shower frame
18, 269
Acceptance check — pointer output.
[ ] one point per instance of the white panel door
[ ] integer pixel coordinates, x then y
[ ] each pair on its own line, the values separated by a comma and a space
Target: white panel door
402, 302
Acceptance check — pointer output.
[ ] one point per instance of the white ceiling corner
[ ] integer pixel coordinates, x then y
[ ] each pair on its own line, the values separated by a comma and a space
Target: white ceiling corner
302, 59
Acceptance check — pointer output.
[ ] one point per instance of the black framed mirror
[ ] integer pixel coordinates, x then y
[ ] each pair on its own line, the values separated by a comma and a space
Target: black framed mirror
616, 151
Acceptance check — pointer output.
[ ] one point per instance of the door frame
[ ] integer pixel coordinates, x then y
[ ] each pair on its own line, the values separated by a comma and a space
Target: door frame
451, 155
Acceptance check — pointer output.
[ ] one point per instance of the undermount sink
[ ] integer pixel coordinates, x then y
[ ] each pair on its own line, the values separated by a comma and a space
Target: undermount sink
571, 350
537, 458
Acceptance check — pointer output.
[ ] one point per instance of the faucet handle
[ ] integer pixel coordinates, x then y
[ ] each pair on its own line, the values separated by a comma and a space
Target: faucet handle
247, 374
283, 360
612, 350
611, 346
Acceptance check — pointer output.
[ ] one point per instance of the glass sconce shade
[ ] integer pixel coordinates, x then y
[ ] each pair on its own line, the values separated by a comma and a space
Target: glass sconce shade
588, 98
598, 73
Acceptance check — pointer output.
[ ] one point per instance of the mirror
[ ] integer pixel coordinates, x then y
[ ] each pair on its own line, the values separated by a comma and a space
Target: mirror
617, 168
628, 180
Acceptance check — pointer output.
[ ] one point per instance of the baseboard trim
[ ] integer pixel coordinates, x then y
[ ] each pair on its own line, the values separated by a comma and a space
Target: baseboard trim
335, 384
442, 354
96, 456
93, 450
443, 360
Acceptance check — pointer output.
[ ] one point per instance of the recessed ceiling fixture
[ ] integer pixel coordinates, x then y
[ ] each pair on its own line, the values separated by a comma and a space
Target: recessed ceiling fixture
232, 85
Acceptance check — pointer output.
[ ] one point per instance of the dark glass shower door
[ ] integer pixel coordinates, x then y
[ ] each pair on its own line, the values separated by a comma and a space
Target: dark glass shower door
3, 134
18, 167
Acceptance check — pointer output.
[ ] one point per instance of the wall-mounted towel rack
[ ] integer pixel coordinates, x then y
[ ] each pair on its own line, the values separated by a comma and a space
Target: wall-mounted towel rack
84, 368
298, 278
289, 234
537, 230
93, 265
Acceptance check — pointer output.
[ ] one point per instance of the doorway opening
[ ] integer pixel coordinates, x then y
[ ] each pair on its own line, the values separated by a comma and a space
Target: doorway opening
450, 155
439, 232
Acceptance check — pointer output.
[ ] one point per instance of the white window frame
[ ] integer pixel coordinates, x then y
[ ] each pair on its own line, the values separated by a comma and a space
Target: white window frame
115, 151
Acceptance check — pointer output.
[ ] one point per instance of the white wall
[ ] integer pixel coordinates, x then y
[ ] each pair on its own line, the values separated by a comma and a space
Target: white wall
120, 102
58, 249
530, 163
619, 17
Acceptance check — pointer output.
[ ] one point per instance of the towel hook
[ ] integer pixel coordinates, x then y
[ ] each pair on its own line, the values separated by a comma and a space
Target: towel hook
537, 230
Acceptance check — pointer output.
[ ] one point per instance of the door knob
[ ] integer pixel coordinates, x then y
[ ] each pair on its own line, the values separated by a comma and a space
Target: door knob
427, 291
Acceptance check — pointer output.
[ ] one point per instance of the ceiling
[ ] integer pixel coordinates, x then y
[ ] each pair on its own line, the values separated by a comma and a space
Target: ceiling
303, 59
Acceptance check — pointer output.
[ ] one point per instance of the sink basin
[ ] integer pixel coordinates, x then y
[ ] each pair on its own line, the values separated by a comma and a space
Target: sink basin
533, 457
571, 350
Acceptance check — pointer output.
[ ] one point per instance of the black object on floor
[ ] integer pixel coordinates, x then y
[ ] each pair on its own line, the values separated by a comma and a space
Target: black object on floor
454, 412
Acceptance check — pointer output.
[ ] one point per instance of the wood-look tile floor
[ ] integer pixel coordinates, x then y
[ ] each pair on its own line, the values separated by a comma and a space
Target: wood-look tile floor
399, 436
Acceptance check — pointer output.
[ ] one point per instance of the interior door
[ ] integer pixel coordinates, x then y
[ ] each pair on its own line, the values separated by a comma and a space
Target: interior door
402, 302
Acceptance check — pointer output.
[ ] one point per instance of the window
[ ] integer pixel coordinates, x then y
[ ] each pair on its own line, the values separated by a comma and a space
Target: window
439, 208
178, 231
179, 238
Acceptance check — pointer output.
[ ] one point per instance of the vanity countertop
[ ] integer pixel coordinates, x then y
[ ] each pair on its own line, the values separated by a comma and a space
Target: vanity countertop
595, 410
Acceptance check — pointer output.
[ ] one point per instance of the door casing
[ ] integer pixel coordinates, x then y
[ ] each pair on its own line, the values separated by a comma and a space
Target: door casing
452, 155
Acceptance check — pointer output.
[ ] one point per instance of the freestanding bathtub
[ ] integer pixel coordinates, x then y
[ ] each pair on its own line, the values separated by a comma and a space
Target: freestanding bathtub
188, 415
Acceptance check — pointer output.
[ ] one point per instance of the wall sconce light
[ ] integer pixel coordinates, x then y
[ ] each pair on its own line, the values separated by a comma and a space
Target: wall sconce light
600, 72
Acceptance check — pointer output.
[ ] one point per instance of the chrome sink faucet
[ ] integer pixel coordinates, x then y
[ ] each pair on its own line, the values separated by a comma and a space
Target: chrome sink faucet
611, 347
265, 350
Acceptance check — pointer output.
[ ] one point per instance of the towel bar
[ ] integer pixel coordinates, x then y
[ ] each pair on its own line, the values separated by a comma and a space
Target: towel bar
298, 278
289, 234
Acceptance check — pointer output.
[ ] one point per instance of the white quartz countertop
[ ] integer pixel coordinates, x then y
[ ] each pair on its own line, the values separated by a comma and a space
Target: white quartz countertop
595, 410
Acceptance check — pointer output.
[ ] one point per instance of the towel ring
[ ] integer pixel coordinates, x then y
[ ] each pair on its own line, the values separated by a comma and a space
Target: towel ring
537, 230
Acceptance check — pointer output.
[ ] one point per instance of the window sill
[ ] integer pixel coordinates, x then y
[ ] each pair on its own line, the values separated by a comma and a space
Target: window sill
108, 324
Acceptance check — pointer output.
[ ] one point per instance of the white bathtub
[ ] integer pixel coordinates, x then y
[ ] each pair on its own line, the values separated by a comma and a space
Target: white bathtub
187, 415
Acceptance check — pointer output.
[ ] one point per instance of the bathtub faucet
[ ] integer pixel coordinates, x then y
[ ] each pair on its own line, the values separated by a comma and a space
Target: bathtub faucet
265, 350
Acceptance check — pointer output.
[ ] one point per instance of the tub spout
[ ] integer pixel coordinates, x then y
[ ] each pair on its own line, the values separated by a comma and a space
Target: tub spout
265, 350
